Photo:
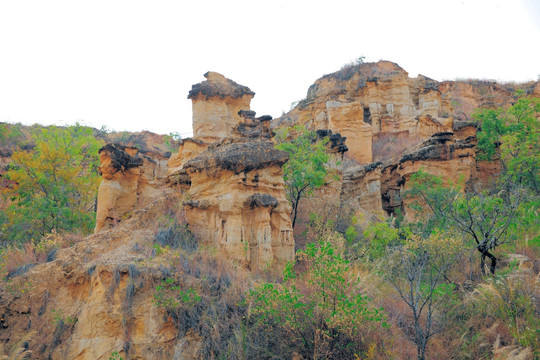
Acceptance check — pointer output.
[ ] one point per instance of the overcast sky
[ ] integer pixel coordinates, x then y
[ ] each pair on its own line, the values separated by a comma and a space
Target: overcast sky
130, 64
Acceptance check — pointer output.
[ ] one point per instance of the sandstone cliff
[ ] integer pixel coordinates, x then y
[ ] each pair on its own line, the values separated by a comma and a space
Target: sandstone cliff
126, 186
383, 112
441, 155
237, 196
227, 184
367, 100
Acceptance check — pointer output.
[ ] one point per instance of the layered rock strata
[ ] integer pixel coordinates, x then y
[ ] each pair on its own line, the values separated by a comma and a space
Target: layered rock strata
363, 101
454, 160
237, 196
381, 185
216, 103
126, 186
231, 176
375, 104
362, 189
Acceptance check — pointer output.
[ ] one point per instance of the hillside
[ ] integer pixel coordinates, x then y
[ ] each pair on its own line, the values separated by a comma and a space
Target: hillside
191, 237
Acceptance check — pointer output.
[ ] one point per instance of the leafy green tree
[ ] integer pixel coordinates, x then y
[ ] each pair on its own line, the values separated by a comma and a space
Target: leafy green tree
322, 306
54, 185
488, 219
306, 168
515, 135
379, 236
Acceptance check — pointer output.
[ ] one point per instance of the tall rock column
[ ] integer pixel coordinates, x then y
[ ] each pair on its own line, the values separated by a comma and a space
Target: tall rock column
237, 196
232, 176
216, 103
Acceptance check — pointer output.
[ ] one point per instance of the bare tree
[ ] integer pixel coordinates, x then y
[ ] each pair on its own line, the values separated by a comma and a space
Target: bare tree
418, 273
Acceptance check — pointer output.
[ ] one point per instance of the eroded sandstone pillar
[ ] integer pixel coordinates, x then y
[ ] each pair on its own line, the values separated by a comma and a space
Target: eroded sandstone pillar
216, 103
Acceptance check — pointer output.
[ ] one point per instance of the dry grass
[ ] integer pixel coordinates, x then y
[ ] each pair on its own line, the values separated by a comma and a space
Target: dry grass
16, 259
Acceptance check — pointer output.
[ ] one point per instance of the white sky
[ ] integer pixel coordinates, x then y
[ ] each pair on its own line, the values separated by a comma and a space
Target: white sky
130, 64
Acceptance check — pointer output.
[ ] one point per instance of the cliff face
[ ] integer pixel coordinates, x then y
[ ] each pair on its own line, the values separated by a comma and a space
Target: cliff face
126, 186
377, 106
380, 186
364, 101
441, 155
237, 199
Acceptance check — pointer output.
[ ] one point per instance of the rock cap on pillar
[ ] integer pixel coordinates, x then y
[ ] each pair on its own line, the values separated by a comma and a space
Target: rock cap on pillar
216, 103
217, 85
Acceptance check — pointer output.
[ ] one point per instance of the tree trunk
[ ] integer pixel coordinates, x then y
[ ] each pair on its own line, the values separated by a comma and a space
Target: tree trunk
295, 210
486, 253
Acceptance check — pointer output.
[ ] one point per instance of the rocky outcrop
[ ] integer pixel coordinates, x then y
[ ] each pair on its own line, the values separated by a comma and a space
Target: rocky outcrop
380, 186
126, 186
469, 95
231, 176
347, 119
372, 102
237, 197
176, 174
216, 103
362, 189
96, 297
442, 155
365, 100
336, 142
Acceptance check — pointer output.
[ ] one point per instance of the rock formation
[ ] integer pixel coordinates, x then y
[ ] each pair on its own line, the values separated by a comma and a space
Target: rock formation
231, 174
380, 185
363, 101
126, 184
237, 196
378, 104
94, 298
441, 155
362, 189
216, 103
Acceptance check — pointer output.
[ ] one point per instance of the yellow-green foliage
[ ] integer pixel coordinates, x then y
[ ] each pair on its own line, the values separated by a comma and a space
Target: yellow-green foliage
54, 186
517, 131
323, 306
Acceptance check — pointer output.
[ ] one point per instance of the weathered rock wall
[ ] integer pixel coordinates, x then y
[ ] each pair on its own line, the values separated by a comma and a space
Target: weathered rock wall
443, 155
128, 184
366, 100
216, 103
368, 103
362, 189
237, 197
